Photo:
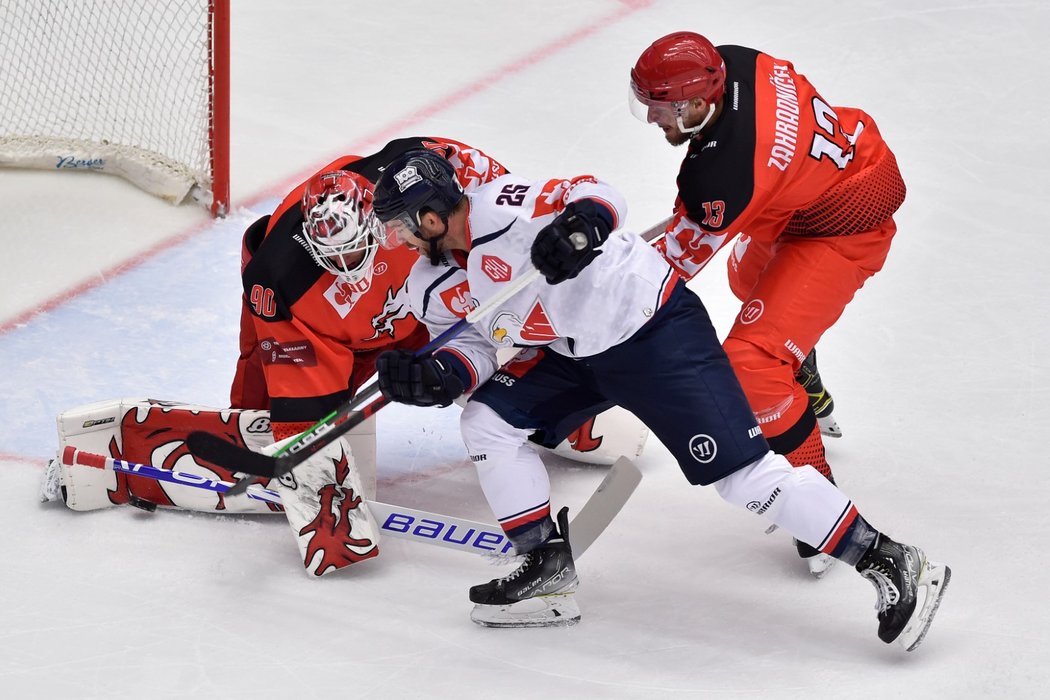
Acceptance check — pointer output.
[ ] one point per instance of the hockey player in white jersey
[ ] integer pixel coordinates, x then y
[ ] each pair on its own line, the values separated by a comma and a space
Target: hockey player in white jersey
610, 324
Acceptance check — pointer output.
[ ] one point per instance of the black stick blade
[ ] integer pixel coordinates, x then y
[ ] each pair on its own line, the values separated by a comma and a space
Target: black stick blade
212, 448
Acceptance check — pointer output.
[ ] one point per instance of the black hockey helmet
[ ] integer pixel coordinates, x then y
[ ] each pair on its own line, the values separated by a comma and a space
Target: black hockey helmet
414, 183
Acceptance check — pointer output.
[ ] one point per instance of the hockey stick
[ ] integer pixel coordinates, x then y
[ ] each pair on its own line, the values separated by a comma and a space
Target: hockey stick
656, 231
409, 523
213, 448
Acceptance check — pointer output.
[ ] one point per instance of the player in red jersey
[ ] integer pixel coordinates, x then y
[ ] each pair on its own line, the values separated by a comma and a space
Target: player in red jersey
806, 191
321, 299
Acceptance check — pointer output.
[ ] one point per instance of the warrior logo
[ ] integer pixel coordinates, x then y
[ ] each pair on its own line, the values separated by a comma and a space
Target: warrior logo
760, 508
752, 311
703, 448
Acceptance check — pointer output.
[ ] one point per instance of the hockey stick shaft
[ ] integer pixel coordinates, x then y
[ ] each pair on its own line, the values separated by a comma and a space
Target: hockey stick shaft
214, 449
344, 417
408, 523
71, 456
439, 341
656, 231
395, 521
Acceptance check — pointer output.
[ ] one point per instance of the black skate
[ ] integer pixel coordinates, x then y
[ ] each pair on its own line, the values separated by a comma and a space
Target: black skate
820, 399
909, 589
539, 593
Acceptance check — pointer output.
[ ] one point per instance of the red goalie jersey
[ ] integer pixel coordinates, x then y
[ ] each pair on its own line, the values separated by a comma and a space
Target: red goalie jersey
309, 338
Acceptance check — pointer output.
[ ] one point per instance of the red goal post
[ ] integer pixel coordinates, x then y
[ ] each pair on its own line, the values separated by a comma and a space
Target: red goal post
135, 88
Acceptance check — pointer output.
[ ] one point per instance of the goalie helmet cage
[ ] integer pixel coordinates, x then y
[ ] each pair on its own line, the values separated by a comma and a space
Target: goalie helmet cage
136, 88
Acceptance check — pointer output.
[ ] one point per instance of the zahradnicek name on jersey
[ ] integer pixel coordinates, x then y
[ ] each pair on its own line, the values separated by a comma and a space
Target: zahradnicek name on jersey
786, 136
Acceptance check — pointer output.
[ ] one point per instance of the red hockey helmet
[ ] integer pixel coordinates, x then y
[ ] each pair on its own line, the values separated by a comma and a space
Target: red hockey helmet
338, 223
678, 67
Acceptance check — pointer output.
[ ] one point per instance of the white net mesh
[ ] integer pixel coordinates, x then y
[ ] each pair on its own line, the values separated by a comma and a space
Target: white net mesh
119, 86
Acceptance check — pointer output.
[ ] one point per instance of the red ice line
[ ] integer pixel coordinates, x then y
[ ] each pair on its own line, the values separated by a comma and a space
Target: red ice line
626, 8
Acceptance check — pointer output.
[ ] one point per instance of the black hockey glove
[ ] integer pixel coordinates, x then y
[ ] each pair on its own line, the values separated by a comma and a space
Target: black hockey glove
419, 381
570, 242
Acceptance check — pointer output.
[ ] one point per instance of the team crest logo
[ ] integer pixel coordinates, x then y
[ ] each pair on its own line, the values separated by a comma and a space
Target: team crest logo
407, 177
501, 327
535, 329
342, 295
495, 269
458, 300
396, 307
538, 327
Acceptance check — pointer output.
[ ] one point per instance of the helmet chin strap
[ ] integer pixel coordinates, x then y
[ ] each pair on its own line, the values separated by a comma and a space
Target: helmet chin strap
692, 131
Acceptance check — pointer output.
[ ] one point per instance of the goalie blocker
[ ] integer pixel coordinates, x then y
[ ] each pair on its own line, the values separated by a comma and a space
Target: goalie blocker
154, 432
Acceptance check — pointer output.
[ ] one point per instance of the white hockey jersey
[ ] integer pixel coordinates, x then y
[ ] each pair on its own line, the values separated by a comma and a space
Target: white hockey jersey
603, 306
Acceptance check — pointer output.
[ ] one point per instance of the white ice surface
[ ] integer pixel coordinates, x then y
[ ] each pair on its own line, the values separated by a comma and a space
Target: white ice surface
939, 368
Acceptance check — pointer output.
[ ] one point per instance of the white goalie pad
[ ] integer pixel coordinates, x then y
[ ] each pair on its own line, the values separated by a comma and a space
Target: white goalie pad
154, 432
605, 438
329, 517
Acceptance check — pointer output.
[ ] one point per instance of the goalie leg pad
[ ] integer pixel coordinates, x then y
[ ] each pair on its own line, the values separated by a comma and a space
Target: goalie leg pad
153, 432
362, 443
605, 438
330, 519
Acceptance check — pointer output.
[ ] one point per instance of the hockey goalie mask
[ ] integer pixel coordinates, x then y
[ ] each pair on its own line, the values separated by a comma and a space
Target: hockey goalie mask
339, 227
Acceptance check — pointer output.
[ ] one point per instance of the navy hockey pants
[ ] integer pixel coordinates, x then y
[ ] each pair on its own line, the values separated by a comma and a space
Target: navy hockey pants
672, 374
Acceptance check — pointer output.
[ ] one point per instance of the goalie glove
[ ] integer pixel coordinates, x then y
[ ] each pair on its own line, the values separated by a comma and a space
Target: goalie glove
569, 243
419, 381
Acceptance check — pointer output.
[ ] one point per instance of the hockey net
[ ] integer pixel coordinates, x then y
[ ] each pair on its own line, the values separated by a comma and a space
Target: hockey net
136, 88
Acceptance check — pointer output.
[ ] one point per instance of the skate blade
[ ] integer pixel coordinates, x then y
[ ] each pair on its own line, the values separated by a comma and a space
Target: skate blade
820, 565
829, 427
933, 581
558, 610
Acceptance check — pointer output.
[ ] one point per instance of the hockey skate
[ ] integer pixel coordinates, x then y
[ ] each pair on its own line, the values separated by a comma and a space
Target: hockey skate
539, 593
909, 589
820, 399
818, 562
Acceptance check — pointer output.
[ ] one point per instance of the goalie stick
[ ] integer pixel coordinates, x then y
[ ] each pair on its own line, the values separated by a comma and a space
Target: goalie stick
408, 523
213, 448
